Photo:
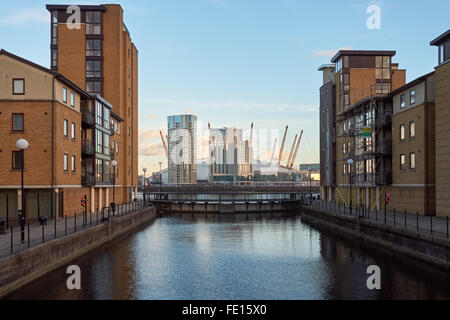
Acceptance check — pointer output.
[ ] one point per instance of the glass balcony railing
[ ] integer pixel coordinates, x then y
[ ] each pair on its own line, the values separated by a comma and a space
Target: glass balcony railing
88, 148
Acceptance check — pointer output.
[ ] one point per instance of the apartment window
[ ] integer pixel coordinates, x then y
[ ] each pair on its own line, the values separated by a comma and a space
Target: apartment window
94, 87
54, 53
73, 164
402, 132
106, 143
117, 147
129, 73
64, 97
129, 151
402, 162
93, 69
402, 101
412, 161
72, 99
66, 124
66, 164
344, 148
99, 170
129, 91
412, 97
93, 22
17, 160
73, 131
17, 122
412, 129
99, 141
18, 86
54, 27
99, 112
383, 68
129, 131
441, 53
344, 169
93, 48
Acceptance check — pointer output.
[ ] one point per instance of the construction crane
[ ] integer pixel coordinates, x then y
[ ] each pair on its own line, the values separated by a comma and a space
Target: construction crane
273, 152
282, 146
292, 151
251, 135
164, 143
296, 151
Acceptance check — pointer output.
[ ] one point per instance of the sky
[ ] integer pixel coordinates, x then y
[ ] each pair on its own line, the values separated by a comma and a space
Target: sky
234, 62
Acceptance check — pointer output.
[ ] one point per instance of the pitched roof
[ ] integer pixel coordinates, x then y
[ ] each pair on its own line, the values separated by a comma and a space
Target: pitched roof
57, 75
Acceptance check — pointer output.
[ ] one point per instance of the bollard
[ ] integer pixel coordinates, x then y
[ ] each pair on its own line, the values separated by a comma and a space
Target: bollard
431, 224
43, 233
65, 224
447, 227
12, 240
405, 220
28, 235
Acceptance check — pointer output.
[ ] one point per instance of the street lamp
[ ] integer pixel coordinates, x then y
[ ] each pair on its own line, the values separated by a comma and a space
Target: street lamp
23, 145
350, 163
113, 204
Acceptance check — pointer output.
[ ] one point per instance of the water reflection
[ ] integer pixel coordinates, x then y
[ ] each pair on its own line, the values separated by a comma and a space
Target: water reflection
239, 257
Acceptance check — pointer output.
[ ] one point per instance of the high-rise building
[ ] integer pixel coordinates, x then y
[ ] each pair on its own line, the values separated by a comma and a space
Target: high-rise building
231, 157
182, 149
98, 55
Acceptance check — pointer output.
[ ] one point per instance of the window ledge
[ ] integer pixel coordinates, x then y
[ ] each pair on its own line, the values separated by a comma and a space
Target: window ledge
17, 132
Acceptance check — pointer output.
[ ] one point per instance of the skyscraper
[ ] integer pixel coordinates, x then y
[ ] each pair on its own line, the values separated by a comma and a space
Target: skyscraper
182, 147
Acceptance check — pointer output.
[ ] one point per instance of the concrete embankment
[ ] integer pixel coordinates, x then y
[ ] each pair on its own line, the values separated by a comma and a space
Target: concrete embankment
22, 268
427, 248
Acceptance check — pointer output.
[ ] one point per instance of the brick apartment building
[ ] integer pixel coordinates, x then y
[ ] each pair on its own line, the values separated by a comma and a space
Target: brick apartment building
78, 116
395, 133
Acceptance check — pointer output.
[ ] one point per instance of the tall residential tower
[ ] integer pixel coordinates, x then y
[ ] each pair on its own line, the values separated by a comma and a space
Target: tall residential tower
98, 55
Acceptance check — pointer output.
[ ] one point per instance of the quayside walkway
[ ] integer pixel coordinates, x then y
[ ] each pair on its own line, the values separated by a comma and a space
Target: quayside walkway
36, 234
423, 225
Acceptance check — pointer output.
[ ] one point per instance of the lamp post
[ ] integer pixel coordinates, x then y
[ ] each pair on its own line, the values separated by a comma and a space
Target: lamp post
310, 185
145, 182
22, 144
113, 204
350, 163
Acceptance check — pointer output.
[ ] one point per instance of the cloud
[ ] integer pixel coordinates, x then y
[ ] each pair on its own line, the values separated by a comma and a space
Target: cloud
148, 117
256, 106
151, 149
329, 53
148, 134
27, 15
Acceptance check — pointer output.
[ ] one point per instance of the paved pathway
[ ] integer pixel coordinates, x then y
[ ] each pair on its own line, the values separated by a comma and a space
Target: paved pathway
436, 226
55, 229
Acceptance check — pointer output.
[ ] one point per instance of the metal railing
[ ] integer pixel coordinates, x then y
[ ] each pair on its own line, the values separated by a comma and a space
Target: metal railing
37, 233
397, 218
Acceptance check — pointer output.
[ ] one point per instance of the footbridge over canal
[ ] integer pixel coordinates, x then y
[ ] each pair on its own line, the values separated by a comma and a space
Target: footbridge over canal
226, 202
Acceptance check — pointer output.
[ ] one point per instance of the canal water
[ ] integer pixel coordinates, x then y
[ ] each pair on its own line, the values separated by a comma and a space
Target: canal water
239, 257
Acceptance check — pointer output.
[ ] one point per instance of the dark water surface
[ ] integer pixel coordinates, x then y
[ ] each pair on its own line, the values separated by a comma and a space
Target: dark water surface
239, 257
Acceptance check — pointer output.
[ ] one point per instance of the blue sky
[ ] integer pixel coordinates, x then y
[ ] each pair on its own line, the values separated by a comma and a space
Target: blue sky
231, 62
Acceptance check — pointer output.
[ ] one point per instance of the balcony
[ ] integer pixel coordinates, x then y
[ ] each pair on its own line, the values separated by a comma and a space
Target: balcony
384, 119
88, 148
373, 179
88, 179
88, 118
